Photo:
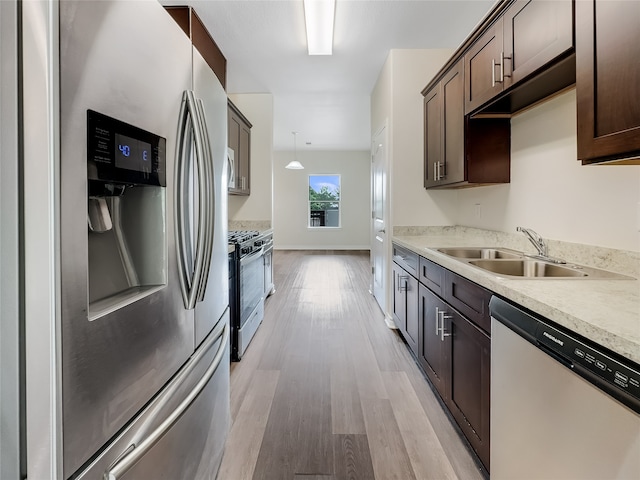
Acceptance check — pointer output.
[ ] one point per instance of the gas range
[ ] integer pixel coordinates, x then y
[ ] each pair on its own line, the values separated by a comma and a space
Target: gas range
251, 283
249, 241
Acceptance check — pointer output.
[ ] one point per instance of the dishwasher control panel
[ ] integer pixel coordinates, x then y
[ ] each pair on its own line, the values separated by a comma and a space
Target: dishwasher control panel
576, 352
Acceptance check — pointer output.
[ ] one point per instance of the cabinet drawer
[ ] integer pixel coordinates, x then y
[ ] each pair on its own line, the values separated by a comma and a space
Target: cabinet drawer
469, 299
431, 275
406, 259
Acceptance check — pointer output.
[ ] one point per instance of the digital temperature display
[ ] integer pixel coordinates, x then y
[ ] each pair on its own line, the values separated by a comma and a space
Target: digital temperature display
118, 152
132, 154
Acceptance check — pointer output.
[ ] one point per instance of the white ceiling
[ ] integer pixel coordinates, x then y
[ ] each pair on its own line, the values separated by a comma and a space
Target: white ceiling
326, 98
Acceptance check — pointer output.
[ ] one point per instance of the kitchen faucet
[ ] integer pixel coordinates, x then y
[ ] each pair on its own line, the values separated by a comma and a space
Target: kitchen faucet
540, 244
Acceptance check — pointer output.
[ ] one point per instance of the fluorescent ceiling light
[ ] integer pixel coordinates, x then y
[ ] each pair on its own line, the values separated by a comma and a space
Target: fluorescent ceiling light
318, 18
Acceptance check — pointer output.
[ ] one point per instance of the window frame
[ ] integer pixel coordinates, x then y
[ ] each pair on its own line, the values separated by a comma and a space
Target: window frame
339, 202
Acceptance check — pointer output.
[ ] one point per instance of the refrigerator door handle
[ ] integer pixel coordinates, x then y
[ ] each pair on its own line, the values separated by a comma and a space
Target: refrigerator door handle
207, 184
180, 210
190, 281
128, 460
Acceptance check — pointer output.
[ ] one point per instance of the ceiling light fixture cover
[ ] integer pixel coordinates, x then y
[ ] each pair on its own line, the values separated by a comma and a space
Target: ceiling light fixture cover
318, 18
294, 164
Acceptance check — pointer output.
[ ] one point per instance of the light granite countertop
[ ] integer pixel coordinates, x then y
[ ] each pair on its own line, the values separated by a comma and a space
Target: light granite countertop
604, 311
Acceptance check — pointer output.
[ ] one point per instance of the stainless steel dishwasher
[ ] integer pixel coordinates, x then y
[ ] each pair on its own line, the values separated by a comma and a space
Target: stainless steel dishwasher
561, 406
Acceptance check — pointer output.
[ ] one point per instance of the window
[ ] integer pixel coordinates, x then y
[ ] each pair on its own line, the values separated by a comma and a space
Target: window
324, 201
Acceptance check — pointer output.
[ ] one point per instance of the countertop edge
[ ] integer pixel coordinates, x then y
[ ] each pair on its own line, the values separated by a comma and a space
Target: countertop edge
515, 290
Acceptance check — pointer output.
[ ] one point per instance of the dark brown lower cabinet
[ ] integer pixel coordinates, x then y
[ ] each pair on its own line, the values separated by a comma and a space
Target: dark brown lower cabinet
456, 356
405, 306
432, 354
469, 388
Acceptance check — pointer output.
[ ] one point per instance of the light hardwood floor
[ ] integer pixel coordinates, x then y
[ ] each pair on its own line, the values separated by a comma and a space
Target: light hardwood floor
327, 391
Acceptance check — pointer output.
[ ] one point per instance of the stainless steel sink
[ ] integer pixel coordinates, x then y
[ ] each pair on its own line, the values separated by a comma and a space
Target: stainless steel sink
528, 268
481, 253
504, 262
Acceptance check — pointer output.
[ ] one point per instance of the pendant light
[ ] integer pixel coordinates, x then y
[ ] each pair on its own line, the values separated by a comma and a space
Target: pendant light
294, 164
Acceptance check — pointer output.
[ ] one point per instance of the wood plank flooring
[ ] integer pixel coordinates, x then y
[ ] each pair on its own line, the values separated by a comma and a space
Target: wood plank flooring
326, 391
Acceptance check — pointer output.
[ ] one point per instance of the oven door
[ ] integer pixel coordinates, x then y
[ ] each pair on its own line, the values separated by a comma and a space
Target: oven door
268, 269
251, 284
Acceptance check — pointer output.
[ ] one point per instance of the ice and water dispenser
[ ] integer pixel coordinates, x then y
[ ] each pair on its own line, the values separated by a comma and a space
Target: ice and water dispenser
126, 212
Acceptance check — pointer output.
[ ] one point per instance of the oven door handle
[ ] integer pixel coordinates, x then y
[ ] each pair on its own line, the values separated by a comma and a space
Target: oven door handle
252, 257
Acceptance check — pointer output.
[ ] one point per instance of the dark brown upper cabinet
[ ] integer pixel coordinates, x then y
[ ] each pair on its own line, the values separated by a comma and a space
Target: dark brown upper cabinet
239, 157
482, 61
191, 24
608, 81
460, 151
526, 39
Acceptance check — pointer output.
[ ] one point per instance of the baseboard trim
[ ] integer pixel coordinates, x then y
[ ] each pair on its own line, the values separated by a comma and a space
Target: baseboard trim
322, 247
390, 323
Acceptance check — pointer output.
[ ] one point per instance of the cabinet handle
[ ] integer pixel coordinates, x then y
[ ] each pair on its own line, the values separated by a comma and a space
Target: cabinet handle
493, 72
437, 173
502, 59
437, 321
405, 279
443, 317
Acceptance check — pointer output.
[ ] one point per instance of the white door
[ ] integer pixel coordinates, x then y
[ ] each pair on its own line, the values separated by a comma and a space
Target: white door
378, 224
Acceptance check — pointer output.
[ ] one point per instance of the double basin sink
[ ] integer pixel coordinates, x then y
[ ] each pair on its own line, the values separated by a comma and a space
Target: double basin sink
508, 263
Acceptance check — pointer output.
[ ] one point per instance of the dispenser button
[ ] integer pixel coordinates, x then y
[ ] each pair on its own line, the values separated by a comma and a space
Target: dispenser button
601, 365
622, 377
579, 353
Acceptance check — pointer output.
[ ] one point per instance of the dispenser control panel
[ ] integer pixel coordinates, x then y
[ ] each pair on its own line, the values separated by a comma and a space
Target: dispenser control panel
118, 152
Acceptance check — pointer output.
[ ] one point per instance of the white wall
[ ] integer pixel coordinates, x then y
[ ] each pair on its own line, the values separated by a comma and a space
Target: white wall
551, 192
411, 71
396, 96
258, 108
396, 100
291, 193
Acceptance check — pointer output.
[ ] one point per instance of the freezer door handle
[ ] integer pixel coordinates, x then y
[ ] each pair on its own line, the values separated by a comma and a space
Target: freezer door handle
136, 452
190, 126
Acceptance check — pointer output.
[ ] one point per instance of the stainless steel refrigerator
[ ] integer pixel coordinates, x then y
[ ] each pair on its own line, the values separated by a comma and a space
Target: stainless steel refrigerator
144, 272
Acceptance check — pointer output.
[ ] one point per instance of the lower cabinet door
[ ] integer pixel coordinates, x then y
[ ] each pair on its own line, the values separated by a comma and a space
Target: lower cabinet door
412, 324
399, 299
469, 386
432, 354
405, 306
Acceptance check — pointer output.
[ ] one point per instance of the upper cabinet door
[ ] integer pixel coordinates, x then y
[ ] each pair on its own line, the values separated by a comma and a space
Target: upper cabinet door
433, 132
482, 65
239, 141
444, 130
608, 80
535, 33
453, 123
